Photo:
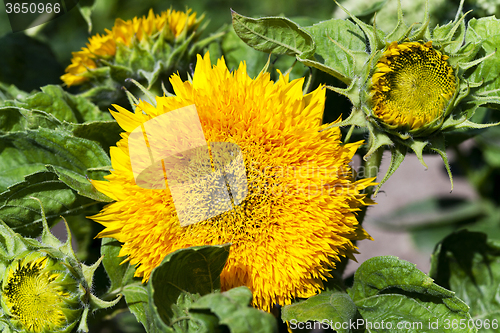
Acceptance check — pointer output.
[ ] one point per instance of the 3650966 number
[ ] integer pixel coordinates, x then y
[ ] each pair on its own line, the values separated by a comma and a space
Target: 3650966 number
32, 8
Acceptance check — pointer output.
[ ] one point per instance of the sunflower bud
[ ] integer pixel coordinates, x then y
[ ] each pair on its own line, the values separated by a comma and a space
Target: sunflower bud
143, 48
413, 85
41, 294
44, 287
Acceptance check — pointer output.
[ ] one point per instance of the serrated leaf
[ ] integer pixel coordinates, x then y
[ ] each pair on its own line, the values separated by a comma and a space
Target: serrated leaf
10, 91
23, 215
335, 307
276, 35
469, 264
23, 153
193, 270
136, 297
232, 308
106, 133
395, 291
486, 29
63, 105
341, 45
19, 119
235, 51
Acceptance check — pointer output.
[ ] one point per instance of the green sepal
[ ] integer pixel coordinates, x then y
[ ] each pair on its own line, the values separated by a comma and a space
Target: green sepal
77, 276
438, 145
398, 153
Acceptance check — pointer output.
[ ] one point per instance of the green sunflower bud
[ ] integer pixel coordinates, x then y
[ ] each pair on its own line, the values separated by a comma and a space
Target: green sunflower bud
144, 49
414, 86
44, 287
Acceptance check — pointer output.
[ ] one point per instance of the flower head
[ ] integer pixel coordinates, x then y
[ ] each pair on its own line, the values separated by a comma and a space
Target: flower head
40, 294
44, 288
412, 85
290, 213
141, 48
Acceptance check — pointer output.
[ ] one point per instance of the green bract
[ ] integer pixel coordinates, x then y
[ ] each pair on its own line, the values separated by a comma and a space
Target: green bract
44, 287
368, 60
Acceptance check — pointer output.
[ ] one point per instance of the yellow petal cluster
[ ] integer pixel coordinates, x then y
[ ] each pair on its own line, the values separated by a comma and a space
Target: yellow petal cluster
299, 215
125, 32
412, 85
32, 297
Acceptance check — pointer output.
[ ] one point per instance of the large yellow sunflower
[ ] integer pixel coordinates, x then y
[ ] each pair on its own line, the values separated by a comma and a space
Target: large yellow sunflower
294, 217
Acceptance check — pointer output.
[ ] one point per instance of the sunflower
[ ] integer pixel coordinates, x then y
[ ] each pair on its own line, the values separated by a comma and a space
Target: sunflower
411, 86
291, 210
101, 50
40, 294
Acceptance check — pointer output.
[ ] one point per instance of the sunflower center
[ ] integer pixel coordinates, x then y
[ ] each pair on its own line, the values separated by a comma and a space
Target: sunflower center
32, 298
411, 86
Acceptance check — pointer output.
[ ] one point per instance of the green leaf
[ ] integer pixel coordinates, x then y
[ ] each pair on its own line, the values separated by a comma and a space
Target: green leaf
328, 308
120, 274
469, 264
486, 29
277, 35
232, 308
235, 51
19, 119
10, 92
395, 291
136, 297
193, 270
23, 215
63, 105
341, 46
22, 153
106, 133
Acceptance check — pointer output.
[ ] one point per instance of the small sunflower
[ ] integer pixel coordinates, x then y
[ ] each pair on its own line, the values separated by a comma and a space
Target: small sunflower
43, 286
40, 294
291, 217
142, 49
412, 85
408, 87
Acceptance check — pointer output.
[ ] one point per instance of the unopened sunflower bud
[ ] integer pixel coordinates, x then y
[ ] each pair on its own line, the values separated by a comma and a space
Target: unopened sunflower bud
44, 288
41, 294
412, 86
144, 49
